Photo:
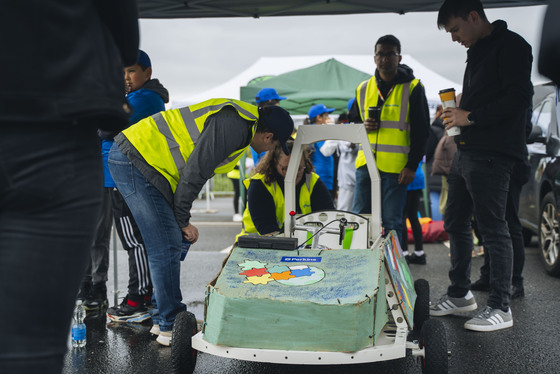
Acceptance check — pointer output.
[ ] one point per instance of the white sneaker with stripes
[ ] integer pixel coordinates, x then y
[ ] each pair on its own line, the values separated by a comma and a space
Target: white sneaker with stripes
489, 319
451, 305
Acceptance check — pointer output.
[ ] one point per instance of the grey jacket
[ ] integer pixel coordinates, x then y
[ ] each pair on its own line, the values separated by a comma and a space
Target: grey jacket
224, 132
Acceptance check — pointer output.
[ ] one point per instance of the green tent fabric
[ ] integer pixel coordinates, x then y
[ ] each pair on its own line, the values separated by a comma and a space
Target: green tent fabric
331, 83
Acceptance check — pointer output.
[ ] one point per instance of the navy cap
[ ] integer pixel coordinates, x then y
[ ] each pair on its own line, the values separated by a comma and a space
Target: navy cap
267, 94
279, 122
317, 110
350, 102
143, 59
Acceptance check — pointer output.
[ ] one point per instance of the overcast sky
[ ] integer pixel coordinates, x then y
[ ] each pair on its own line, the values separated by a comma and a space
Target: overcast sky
193, 55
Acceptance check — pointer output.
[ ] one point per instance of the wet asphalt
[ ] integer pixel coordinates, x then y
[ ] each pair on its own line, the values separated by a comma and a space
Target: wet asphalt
530, 346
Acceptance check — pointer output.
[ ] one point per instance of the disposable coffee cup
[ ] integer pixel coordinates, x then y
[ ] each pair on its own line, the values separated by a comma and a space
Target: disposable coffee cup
447, 97
374, 112
455, 130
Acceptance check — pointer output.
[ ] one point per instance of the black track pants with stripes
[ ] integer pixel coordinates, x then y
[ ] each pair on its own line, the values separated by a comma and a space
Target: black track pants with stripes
139, 281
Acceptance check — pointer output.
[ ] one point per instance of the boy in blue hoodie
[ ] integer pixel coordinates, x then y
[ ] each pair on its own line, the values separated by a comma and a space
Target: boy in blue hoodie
146, 97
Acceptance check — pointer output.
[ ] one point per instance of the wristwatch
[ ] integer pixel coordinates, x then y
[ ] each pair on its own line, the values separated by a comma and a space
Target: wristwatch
470, 119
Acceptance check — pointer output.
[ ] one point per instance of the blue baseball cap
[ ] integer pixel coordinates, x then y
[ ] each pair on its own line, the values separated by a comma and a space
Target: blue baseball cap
267, 94
317, 110
143, 59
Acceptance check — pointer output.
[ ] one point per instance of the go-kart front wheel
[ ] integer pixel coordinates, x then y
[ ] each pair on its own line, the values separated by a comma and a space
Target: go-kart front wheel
422, 303
183, 356
434, 342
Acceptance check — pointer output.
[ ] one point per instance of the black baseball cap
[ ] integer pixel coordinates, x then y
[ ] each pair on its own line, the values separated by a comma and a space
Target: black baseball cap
279, 122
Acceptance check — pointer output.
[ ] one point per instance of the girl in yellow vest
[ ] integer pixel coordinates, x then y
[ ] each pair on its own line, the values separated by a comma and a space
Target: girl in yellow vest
264, 213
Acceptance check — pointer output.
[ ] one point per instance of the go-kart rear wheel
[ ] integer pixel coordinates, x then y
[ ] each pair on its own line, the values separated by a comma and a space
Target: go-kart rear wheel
422, 304
434, 342
183, 356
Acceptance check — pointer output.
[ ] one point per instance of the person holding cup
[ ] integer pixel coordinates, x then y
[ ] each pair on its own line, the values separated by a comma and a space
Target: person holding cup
492, 115
393, 107
448, 101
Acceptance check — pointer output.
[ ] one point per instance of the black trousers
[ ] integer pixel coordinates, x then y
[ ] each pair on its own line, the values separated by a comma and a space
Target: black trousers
96, 271
519, 177
411, 209
51, 181
479, 185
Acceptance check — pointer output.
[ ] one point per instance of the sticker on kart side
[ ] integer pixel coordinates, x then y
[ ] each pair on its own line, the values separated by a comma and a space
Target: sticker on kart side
400, 276
301, 259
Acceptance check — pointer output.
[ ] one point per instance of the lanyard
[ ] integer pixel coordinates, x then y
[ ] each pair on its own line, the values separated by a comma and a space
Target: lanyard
388, 94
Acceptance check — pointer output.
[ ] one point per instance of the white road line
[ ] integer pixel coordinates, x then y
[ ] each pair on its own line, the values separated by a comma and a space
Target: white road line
227, 249
216, 223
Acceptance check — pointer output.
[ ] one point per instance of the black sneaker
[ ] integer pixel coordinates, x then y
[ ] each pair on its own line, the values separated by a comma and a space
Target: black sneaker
127, 313
98, 298
517, 291
415, 259
480, 285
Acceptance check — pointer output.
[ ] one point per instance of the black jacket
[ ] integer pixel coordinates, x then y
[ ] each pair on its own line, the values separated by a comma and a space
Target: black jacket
436, 132
418, 113
497, 90
549, 52
63, 61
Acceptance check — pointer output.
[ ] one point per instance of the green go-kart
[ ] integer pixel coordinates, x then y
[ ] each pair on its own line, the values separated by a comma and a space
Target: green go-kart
331, 290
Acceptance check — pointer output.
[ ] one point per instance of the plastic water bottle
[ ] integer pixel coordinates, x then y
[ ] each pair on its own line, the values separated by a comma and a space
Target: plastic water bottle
78, 326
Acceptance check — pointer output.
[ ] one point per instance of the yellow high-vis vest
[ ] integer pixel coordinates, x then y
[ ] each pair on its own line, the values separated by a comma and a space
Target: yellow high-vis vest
278, 197
391, 142
166, 139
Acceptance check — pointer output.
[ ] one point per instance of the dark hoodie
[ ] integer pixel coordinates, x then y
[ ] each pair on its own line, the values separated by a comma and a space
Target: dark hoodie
549, 51
497, 90
418, 112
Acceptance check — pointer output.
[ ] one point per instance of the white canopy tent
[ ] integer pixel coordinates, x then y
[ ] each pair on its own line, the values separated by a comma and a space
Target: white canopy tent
432, 81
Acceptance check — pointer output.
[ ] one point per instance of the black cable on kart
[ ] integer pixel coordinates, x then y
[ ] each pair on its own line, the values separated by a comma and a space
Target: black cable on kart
312, 236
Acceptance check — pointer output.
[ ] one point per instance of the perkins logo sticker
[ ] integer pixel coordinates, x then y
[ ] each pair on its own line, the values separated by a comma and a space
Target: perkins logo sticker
301, 259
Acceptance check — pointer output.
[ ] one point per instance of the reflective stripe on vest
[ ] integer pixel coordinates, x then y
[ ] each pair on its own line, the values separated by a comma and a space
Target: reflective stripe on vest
276, 192
174, 133
391, 142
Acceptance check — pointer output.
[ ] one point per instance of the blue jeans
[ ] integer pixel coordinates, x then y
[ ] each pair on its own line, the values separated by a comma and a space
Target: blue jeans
393, 198
479, 184
162, 236
434, 205
51, 180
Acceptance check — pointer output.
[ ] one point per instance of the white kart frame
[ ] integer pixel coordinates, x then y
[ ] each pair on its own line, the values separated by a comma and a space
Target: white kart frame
392, 341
